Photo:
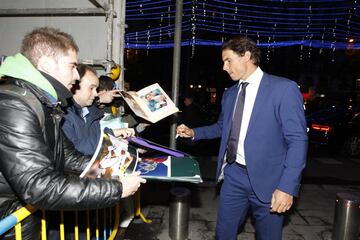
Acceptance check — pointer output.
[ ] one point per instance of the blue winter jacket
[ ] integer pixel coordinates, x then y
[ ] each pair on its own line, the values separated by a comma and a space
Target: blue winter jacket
84, 135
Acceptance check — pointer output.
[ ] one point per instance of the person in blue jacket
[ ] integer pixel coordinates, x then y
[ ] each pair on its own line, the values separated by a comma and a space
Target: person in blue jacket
81, 123
263, 144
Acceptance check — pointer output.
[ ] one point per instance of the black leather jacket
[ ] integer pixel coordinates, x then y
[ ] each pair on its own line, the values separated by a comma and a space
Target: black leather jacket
39, 166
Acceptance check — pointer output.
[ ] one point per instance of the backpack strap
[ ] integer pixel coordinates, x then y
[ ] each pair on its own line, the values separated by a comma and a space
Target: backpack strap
26, 96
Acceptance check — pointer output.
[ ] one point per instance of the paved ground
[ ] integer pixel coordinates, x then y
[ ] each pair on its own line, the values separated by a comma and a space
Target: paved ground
310, 219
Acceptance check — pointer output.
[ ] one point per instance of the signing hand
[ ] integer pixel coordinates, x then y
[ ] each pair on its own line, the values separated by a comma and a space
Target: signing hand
281, 201
124, 132
183, 131
131, 183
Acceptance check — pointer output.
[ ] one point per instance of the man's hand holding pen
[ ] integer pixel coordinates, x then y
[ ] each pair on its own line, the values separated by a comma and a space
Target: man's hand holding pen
184, 131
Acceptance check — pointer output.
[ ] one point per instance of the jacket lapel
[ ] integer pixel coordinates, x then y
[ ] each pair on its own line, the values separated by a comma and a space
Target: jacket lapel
261, 98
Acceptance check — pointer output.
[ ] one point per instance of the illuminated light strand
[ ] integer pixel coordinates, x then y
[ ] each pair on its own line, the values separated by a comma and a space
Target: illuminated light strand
309, 35
266, 7
164, 28
193, 29
129, 11
302, 1
251, 19
324, 11
169, 21
250, 33
188, 42
145, 3
335, 25
212, 23
284, 10
287, 28
279, 15
290, 32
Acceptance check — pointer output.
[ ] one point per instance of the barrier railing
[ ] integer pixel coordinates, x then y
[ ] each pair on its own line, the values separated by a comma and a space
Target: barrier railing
15, 219
110, 223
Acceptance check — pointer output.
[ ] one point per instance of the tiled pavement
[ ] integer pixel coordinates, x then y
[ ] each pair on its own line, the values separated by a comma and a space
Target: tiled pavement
311, 218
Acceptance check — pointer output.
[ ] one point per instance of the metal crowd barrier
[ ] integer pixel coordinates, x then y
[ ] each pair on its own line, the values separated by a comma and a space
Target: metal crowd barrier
106, 230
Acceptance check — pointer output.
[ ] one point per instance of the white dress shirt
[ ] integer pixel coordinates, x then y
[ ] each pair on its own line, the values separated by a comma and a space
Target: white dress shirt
251, 91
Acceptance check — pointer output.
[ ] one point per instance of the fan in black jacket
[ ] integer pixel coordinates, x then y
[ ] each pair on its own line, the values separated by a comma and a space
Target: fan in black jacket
38, 165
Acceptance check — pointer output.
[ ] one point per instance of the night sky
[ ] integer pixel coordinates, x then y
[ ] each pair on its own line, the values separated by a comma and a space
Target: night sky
333, 73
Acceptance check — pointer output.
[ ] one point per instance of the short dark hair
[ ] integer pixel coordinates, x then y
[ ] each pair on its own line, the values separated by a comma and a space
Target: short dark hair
105, 83
83, 68
242, 44
47, 41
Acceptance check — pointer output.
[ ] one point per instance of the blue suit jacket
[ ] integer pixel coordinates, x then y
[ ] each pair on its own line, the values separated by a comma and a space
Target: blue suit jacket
276, 139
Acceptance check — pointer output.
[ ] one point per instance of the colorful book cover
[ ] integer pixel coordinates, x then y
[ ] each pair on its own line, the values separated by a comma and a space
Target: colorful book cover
113, 158
155, 167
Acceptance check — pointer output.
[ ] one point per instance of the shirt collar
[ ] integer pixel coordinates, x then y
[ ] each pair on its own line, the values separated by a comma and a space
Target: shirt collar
254, 78
84, 112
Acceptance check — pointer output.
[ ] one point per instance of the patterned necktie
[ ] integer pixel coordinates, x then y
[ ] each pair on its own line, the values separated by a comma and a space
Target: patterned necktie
236, 126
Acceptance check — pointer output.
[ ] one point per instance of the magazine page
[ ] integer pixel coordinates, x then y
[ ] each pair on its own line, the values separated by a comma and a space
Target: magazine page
136, 104
113, 158
150, 103
158, 104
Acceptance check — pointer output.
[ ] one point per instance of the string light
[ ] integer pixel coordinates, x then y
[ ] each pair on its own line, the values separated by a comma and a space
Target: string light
235, 11
309, 35
148, 42
169, 21
268, 50
334, 41
322, 40
193, 29
204, 11
274, 30
140, 9
271, 23
223, 30
160, 25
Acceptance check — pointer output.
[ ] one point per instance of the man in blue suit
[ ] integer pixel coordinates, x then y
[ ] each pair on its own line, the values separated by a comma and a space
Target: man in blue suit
262, 172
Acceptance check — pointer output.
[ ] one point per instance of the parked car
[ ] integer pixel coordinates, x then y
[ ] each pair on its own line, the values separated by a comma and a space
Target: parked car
336, 128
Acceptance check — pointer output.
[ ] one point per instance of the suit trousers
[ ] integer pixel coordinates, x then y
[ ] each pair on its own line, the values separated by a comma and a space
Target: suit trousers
236, 199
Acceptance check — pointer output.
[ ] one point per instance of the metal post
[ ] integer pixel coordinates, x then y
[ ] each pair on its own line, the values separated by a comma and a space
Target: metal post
347, 217
176, 65
123, 26
179, 213
119, 39
110, 31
